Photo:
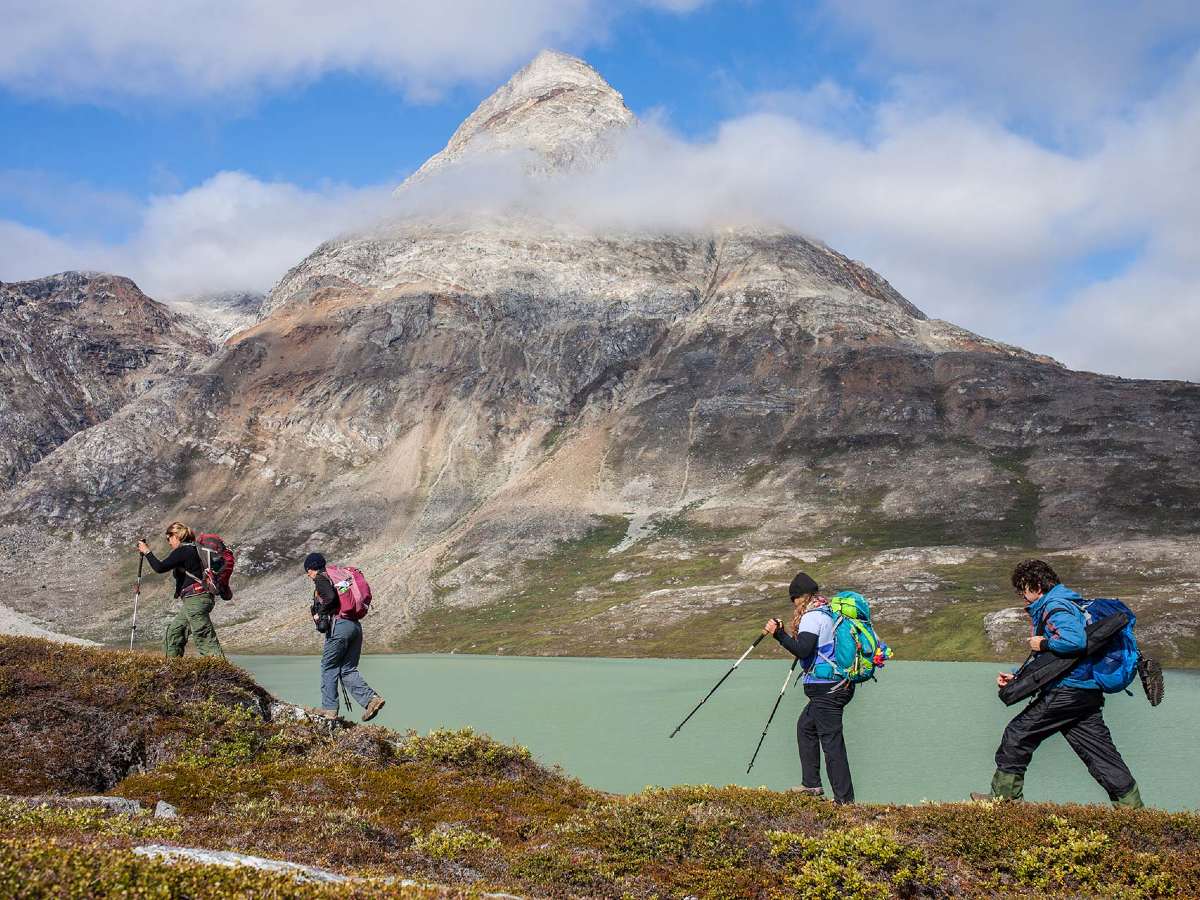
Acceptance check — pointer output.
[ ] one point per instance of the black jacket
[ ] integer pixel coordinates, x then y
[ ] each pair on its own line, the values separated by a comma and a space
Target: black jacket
184, 559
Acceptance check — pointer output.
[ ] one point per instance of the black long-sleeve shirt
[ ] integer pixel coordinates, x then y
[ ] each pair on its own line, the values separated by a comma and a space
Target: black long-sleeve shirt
325, 596
802, 646
184, 559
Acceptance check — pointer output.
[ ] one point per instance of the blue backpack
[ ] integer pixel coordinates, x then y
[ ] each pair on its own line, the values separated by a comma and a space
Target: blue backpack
1114, 667
857, 650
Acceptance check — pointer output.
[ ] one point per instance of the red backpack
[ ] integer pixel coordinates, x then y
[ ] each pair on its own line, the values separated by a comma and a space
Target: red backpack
354, 594
218, 563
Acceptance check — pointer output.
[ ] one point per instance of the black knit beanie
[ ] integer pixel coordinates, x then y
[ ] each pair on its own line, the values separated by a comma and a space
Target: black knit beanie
801, 586
314, 561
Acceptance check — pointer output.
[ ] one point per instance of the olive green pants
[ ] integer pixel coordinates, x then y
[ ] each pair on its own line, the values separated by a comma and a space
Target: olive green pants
193, 620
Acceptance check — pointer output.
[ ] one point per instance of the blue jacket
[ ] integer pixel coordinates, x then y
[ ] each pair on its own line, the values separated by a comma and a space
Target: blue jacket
1065, 631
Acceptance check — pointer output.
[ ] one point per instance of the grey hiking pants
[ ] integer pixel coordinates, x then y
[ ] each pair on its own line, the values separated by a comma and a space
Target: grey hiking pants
339, 659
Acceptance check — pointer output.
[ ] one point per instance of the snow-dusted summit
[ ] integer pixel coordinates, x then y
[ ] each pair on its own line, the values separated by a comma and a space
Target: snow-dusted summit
557, 108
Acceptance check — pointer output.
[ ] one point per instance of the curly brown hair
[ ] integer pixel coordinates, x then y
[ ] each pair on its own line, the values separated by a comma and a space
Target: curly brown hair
1034, 575
802, 604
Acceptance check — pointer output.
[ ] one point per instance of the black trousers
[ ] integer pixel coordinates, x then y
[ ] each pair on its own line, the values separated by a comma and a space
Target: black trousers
820, 728
1075, 713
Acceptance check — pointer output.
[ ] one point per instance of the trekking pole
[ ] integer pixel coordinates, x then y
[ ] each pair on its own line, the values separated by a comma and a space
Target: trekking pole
763, 737
718, 684
137, 593
345, 696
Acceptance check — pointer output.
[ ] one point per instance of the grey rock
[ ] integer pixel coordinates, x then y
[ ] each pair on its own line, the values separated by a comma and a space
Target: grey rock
235, 860
164, 810
220, 315
118, 805
1005, 627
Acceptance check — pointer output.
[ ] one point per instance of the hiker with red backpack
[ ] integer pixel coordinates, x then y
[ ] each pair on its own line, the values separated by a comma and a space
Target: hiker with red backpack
341, 597
195, 585
1071, 704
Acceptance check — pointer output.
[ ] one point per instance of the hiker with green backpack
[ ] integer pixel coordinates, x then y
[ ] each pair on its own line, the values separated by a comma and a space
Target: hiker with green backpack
835, 643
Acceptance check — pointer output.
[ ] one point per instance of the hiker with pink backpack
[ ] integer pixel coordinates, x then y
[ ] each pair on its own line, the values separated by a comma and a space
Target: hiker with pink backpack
341, 598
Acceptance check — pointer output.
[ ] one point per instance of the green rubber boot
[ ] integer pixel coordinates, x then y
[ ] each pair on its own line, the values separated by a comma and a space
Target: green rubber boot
1133, 799
1007, 786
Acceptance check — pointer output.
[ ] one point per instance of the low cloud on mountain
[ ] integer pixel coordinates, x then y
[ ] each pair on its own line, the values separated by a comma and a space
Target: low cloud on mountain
233, 232
1017, 175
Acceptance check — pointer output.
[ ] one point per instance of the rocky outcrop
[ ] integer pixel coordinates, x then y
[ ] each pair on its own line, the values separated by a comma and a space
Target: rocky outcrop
207, 857
219, 315
74, 349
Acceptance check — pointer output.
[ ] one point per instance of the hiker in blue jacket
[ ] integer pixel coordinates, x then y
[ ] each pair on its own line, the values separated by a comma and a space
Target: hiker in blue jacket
1070, 706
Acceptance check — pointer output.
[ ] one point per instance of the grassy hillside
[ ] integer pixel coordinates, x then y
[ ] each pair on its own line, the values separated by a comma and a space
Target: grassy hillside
596, 597
458, 814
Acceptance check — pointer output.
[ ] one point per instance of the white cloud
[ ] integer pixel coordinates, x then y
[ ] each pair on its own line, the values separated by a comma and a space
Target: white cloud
233, 232
30, 253
1063, 62
973, 222
187, 49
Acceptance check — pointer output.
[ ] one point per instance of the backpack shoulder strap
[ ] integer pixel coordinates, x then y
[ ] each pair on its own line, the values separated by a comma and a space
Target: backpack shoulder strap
1060, 605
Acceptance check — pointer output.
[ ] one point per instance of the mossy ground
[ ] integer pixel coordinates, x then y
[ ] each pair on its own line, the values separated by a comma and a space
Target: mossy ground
457, 809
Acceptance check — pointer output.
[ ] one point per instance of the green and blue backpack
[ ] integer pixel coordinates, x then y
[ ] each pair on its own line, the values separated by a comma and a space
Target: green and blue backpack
857, 649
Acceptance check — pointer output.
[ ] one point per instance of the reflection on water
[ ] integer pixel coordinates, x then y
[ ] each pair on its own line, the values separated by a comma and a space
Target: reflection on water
925, 730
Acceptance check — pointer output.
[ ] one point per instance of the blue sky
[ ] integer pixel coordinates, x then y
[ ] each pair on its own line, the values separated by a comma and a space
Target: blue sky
362, 129
1022, 174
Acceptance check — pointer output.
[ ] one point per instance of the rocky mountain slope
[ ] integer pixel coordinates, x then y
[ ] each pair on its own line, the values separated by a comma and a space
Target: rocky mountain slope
74, 349
538, 438
220, 315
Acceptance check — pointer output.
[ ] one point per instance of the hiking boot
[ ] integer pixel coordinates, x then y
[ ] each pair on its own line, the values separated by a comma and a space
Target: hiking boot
322, 713
1152, 679
981, 798
373, 707
1008, 786
1133, 799
810, 791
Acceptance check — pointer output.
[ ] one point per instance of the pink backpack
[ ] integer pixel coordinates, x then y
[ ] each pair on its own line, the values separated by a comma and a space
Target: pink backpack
354, 593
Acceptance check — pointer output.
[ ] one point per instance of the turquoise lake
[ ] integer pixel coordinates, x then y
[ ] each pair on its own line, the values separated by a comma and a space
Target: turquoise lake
924, 731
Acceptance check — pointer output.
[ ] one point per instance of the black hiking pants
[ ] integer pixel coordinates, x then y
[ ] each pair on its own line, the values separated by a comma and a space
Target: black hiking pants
820, 728
1076, 714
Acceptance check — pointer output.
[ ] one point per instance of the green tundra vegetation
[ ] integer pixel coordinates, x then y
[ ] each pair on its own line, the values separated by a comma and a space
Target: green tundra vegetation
584, 597
453, 813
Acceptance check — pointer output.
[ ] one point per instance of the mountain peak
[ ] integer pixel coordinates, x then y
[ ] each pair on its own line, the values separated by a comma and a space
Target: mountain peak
557, 107
552, 68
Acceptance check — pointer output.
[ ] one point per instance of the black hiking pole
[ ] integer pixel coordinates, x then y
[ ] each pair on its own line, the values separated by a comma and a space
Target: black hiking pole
763, 737
345, 696
137, 594
718, 684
